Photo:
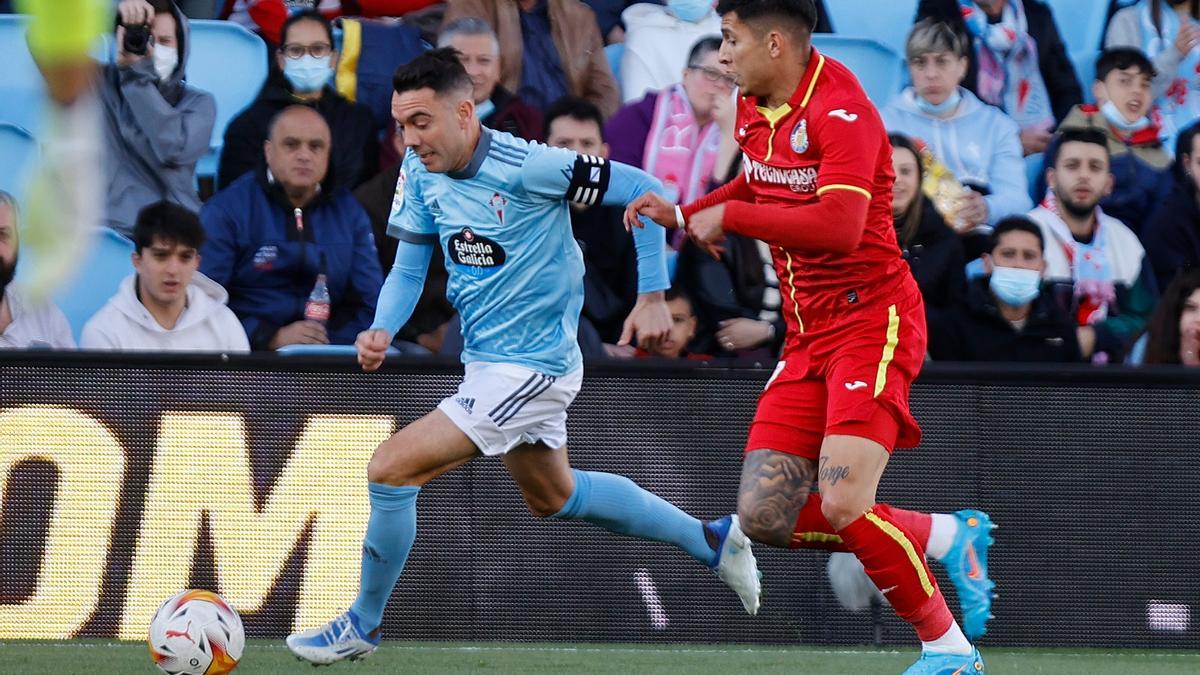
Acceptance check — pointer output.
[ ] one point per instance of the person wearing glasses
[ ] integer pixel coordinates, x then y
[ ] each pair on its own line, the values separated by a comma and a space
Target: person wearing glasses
674, 134
306, 60
156, 127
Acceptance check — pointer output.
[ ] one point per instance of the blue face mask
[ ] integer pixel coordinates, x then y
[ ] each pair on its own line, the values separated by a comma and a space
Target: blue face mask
1115, 118
1015, 287
307, 73
690, 10
942, 108
482, 110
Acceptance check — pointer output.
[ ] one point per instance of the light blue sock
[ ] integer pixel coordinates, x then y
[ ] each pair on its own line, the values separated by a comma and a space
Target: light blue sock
391, 530
617, 504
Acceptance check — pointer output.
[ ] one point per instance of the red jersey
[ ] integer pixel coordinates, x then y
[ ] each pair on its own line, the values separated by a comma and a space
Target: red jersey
828, 137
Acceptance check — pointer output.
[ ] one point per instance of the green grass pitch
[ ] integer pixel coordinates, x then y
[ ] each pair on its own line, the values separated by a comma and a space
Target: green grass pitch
99, 656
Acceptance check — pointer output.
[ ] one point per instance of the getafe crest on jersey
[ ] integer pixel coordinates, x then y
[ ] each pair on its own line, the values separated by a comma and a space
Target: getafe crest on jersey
800, 137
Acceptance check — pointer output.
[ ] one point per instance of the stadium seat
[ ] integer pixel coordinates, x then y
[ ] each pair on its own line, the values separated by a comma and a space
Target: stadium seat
98, 275
22, 90
18, 150
230, 63
885, 21
613, 53
1034, 167
879, 69
1081, 25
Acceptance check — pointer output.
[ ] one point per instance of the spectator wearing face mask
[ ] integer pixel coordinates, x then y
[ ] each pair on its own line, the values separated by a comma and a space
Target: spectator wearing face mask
306, 62
1124, 113
656, 43
155, 127
1008, 315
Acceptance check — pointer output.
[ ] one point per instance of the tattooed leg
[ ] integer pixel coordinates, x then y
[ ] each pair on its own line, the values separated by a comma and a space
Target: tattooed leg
774, 487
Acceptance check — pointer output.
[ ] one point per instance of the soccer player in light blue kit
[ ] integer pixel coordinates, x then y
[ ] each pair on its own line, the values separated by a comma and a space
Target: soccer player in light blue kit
499, 207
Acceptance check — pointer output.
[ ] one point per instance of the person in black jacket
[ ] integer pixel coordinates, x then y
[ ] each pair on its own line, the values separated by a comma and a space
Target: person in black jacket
1057, 72
306, 62
1008, 315
1172, 235
933, 250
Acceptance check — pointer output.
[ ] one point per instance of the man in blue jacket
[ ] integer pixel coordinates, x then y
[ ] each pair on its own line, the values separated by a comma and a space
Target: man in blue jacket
272, 231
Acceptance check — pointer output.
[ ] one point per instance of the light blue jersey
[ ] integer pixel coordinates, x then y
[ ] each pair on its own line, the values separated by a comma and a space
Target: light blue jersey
515, 271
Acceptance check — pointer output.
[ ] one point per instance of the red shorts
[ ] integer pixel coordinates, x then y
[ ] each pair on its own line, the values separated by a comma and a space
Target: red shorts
846, 375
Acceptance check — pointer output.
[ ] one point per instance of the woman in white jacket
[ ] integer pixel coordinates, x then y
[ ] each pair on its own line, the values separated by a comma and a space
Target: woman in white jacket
167, 305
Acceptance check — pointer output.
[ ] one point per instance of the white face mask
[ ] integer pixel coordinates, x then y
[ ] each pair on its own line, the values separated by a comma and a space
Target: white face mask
165, 61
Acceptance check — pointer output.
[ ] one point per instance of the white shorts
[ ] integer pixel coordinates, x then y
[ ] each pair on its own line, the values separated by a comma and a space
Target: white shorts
500, 406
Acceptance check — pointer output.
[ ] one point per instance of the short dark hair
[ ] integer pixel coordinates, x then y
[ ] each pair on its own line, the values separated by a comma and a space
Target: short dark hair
577, 109
798, 12
678, 292
306, 15
1089, 135
703, 47
438, 69
169, 223
1120, 58
1015, 224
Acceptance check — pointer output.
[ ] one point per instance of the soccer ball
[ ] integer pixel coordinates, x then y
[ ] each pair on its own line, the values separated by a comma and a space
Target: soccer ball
196, 633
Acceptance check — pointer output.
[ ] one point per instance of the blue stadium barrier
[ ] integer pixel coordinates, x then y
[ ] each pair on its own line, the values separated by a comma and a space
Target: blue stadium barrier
99, 275
230, 63
885, 21
18, 150
879, 69
613, 53
326, 350
1081, 25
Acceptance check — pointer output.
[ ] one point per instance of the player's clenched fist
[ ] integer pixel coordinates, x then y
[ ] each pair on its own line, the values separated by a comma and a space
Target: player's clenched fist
652, 206
372, 347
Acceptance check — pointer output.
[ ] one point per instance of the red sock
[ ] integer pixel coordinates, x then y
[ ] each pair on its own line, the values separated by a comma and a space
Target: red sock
895, 562
813, 530
918, 524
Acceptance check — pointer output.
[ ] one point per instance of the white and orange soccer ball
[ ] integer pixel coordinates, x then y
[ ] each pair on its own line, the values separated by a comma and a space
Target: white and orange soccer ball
196, 633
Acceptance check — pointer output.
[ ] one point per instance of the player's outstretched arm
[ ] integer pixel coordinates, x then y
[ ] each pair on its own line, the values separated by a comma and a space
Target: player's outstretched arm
650, 319
397, 300
835, 224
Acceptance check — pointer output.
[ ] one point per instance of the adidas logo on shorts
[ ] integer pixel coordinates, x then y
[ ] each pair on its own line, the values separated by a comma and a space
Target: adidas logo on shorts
467, 404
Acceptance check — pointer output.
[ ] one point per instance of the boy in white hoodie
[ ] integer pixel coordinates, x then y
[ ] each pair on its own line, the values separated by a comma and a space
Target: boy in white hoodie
167, 305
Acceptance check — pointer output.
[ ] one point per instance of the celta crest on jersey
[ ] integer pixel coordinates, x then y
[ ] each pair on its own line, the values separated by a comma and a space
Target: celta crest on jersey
476, 252
802, 180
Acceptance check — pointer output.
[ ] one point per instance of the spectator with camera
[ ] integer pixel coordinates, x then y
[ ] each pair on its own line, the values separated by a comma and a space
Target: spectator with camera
306, 62
156, 127
166, 305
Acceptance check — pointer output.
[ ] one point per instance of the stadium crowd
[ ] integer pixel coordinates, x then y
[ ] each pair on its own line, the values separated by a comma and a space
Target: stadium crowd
1044, 218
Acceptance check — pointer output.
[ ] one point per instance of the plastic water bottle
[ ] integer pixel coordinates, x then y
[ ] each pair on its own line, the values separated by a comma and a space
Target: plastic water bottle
317, 307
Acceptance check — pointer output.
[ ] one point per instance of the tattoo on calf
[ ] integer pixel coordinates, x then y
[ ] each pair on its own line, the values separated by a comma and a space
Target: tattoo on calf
832, 474
774, 487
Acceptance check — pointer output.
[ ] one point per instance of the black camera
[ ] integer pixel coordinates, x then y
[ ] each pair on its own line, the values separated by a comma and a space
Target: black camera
137, 40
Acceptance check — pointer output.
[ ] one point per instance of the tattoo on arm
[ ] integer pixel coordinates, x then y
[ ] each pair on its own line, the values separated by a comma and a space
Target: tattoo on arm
774, 487
832, 474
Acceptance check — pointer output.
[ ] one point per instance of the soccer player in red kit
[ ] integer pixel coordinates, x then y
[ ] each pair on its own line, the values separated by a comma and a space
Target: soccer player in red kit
817, 187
